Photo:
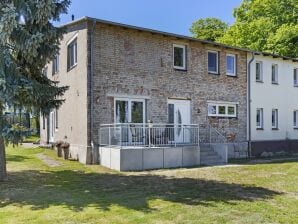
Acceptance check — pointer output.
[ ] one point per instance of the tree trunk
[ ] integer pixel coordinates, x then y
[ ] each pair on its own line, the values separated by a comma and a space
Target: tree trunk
3, 174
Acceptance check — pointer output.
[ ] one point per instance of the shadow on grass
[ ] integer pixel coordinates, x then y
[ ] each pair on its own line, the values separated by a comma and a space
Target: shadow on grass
77, 190
16, 158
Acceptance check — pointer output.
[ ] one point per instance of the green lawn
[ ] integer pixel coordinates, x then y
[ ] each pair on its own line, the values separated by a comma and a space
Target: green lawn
74, 193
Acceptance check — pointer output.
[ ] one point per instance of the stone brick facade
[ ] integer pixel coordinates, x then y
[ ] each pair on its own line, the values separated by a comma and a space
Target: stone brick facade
129, 62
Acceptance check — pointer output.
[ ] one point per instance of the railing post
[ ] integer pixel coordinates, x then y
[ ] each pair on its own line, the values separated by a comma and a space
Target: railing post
149, 138
109, 135
198, 135
120, 137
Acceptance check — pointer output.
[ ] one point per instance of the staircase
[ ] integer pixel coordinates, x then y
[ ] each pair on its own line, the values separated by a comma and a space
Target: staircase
209, 157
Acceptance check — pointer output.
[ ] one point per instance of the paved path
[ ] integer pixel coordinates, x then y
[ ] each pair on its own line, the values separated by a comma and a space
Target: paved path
30, 145
48, 161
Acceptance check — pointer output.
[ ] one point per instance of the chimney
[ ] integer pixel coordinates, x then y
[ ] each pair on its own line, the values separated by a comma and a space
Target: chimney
72, 17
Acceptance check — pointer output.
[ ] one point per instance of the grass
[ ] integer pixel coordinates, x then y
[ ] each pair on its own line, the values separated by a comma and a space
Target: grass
31, 139
74, 193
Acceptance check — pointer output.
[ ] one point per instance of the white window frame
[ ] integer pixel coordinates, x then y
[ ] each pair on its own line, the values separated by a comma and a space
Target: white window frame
217, 114
217, 62
183, 67
295, 117
275, 114
57, 65
234, 56
261, 126
75, 53
295, 73
261, 71
129, 100
274, 70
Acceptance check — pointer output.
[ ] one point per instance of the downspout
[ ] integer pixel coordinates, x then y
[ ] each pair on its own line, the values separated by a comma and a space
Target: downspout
249, 101
91, 92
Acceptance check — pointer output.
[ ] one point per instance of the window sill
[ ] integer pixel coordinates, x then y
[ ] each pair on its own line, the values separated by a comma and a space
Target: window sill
232, 75
295, 128
274, 83
260, 129
296, 85
72, 67
275, 129
180, 69
213, 73
56, 73
259, 81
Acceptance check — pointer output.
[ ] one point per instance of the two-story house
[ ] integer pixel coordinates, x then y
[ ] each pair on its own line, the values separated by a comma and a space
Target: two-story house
120, 74
273, 108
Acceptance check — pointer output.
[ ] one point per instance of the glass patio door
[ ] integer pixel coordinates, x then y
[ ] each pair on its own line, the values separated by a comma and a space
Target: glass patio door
130, 112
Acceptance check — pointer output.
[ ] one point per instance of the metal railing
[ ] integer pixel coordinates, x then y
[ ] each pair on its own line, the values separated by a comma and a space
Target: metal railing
209, 134
148, 135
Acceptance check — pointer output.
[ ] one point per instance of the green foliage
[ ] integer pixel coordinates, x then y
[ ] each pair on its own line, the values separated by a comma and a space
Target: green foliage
28, 41
208, 29
265, 25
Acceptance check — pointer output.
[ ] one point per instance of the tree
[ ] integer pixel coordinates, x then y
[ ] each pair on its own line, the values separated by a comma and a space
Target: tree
265, 25
208, 29
28, 41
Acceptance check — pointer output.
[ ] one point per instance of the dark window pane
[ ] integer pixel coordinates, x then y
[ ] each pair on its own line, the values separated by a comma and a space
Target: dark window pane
212, 62
178, 56
121, 111
222, 110
171, 113
137, 112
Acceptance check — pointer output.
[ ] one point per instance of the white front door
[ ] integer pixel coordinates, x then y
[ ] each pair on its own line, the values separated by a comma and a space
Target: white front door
179, 115
51, 126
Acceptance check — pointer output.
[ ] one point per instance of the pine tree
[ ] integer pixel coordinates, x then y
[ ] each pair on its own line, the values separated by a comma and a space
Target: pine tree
28, 41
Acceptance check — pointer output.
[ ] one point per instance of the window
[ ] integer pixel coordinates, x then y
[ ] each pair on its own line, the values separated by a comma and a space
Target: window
45, 72
296, 77
213, 62
259, 71
179, 56
72, 54
221, 110
274, 78
259, 118
56, 119
274, 119
231, 65
43, 122
55, 65
295, 119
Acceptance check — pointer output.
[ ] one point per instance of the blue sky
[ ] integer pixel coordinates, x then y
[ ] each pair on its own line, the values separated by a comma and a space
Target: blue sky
166, 15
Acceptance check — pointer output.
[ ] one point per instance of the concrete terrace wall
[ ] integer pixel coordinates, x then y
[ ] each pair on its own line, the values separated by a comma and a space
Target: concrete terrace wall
72, 115
134, 63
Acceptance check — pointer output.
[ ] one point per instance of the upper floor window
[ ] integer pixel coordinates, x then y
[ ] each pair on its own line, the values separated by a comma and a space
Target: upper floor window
259, 118
274, 76
295, 119
55, 65
222, 110
179, 52
213, 62
259, 71
231, 64
72, 54
295, 76
274, 118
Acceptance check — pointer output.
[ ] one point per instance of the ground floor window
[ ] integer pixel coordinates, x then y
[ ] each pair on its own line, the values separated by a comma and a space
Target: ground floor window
222, 109
129, 110
274, 118
295, 119
259, 118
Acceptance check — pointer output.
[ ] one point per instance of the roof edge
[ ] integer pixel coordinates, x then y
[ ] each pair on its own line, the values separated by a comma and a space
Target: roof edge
179, 36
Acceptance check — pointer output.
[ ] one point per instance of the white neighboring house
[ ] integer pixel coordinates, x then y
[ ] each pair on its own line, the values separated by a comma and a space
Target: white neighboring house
274, 103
